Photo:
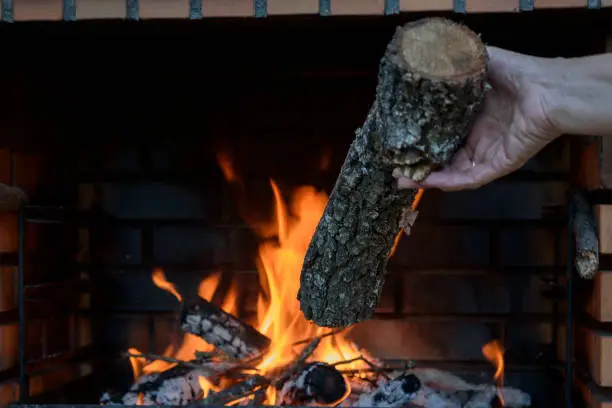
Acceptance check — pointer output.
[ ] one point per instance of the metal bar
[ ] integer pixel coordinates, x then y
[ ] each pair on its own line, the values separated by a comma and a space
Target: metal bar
325, 7
7, 11
526, 5
459, 6
24, 385
195, 9
569, 364
261, 8
132, 10
69, 10
392, 7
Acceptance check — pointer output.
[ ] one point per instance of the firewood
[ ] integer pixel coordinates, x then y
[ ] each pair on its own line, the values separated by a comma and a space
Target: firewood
586, 236
11, 198
431, 86
230, 335
396, 392
178, 385
234, 392
317, 383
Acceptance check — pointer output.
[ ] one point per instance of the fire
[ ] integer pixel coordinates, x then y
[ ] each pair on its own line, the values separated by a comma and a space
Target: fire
159, 279
494, 352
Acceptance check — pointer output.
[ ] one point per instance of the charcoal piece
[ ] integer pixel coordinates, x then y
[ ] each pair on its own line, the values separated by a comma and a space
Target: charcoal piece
250, 386
230, 335
11, 198
585, 235
396, 392
318, 383
431, 86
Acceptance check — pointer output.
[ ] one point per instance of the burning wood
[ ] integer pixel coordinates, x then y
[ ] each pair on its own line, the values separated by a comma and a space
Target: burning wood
11, 198
317, 384
230, 335
586, 236
237, 391
431, 85
179, 385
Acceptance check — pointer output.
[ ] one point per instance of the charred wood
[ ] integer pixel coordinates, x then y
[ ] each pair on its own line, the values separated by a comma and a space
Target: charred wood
586, 236
230, 335
252, 385
431, 86
318, 383
396, 392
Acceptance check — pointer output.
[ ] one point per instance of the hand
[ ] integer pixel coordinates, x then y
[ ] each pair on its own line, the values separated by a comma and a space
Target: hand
514, 125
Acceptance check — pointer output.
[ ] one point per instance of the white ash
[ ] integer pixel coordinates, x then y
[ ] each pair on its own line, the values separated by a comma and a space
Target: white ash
396, 392
175, 391
222, 332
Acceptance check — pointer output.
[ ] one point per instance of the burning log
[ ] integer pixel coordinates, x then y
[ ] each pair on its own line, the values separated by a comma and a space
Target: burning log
585, 233
252, 385
431, 85
178, 385
318, 383
396, 392
11, 198
231, 336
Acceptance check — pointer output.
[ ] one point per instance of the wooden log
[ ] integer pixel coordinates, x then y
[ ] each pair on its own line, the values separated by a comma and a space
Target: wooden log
235, 392
431, 85
11, 198
316, 384
397, 392
230, 335
176, 386
585, 235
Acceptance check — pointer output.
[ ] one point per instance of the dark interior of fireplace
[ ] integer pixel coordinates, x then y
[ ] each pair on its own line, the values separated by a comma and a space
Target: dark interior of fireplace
114, 130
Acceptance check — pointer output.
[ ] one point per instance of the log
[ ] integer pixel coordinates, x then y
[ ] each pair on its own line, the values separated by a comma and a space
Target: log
431, 86
178, 385
396, 392
11, 198
585, 235
317, 383
230, 335
234, 392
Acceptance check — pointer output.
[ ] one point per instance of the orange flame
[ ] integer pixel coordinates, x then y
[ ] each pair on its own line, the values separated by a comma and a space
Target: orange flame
279, 265
159, 279
494, 352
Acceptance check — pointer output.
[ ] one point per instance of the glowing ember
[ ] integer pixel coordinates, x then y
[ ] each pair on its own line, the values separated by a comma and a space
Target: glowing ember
494, 352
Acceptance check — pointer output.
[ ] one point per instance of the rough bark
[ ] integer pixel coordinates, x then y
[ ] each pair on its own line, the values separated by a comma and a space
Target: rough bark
230, 335
586, 236
11, 198
431, 85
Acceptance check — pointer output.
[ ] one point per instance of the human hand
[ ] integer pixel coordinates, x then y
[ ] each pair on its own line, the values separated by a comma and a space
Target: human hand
514, 125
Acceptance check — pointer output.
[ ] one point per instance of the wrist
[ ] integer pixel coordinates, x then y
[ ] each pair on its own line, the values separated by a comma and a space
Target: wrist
579, 94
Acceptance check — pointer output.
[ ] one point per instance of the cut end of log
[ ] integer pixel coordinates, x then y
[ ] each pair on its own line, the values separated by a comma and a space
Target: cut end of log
587, 264
437, 48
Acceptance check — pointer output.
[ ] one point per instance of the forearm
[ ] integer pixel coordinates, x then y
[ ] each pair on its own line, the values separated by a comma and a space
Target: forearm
581, 93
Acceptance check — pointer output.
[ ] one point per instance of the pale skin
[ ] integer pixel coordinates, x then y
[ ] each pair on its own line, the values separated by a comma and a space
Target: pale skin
532, 102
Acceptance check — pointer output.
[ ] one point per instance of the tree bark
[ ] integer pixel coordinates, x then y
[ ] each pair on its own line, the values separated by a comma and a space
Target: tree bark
431, 85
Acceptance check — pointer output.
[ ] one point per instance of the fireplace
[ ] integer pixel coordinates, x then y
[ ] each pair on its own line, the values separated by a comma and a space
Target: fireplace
162, 159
